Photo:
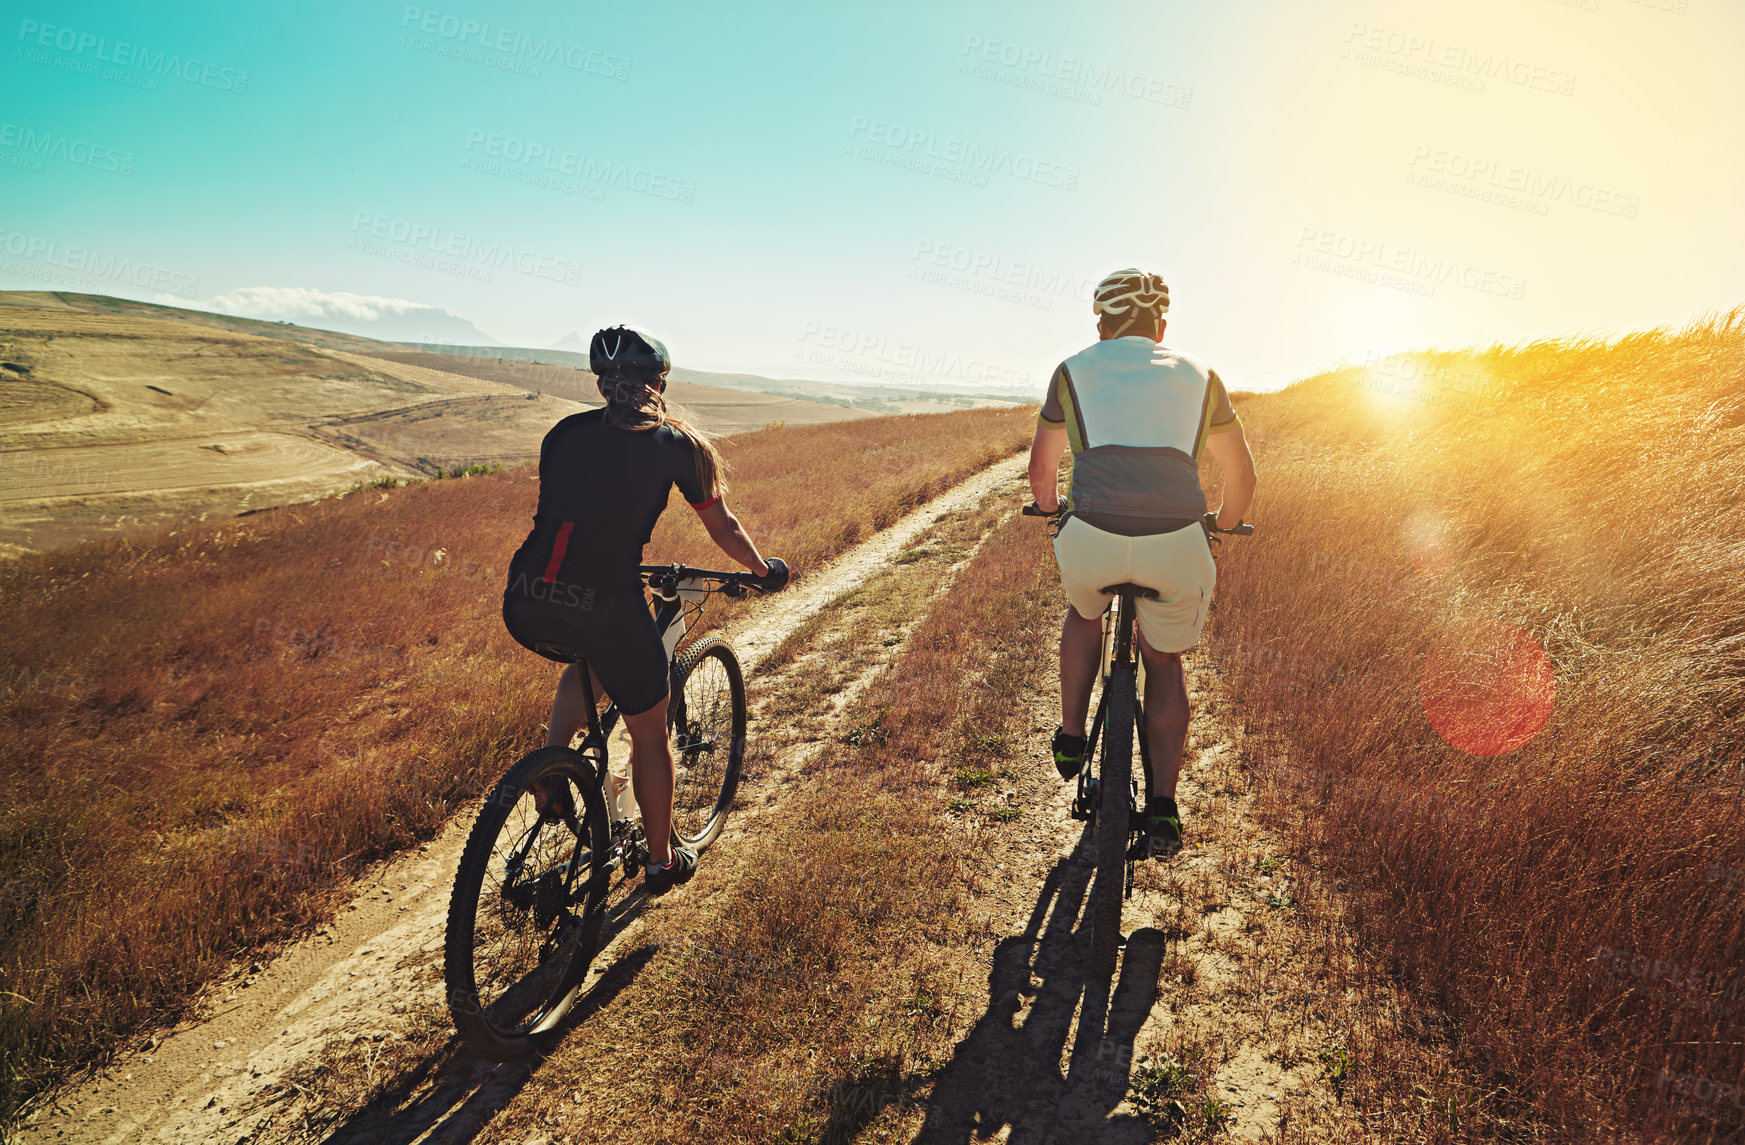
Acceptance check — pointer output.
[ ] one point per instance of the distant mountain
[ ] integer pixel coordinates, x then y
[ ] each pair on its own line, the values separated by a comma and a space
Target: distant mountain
571, 341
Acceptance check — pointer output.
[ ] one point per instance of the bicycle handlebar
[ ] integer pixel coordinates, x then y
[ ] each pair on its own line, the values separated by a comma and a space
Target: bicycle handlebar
666, 578
1210, 521
1241, 530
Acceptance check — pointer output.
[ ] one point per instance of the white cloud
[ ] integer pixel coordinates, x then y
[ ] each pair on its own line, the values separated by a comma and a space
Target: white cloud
291, 302
393, 319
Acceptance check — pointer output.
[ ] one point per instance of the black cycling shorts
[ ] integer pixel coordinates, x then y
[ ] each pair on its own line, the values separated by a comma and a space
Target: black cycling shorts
613, 632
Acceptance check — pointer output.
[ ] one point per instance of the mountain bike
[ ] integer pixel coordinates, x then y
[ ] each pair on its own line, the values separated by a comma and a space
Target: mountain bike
1109, 794
530, 895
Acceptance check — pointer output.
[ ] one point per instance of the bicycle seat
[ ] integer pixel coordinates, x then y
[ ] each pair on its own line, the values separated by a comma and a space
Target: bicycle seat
1136, 589
555, 652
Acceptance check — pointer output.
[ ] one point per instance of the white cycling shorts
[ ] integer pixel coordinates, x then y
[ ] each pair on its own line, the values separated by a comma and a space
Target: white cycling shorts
1178, 565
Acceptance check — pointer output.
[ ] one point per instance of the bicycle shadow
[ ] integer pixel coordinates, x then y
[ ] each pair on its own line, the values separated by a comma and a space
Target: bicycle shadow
452, 1094
1009, 1074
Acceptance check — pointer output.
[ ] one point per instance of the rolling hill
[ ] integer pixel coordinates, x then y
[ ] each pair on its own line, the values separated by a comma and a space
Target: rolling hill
118, 415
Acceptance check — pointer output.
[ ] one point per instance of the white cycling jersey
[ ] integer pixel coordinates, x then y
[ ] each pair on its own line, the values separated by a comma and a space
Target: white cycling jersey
1137, 414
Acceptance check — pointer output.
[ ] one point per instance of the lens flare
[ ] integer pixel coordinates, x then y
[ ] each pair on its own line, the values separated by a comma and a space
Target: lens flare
1427, 540
1488, 688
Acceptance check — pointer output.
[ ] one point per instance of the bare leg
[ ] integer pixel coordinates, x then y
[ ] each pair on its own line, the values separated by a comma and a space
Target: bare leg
651, 777
1081, 645
1166, 716
569, 710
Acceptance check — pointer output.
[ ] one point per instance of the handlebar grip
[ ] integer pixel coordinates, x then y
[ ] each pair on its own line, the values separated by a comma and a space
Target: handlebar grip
1210, 521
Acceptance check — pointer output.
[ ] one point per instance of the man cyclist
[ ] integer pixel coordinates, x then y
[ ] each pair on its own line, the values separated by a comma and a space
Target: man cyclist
574, 591
1136, 414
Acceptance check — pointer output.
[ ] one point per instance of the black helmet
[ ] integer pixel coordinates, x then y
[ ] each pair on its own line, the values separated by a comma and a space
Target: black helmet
626, 353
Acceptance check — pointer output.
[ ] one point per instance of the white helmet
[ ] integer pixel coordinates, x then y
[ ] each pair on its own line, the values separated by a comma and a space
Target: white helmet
1131, 292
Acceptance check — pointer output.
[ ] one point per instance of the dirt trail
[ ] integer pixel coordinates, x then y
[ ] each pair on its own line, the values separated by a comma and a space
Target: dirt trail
754, 640
352, 982
1216, 962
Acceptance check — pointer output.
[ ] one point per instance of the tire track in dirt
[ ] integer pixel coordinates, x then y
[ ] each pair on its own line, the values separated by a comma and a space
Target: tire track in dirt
352, 981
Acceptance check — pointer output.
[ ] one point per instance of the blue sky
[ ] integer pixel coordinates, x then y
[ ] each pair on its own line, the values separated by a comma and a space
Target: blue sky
891, 192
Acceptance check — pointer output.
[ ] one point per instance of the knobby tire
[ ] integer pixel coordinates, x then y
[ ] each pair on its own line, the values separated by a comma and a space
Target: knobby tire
1115, 783
708, 718
519, 941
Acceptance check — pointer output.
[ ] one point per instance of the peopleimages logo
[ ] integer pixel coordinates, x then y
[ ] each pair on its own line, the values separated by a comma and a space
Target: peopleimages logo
921, 146
1497, 178
1090, 79
98, 50
92, 265
996, 276
1412, 54
437, 241
79, 152
597, 172
468, 38
1321, 249
875, 355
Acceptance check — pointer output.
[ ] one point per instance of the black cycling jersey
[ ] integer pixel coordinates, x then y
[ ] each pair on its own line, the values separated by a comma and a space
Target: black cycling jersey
601, 490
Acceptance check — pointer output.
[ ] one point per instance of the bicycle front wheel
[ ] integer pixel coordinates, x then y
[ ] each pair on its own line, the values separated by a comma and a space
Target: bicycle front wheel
707, 715
524, 918
1115, 785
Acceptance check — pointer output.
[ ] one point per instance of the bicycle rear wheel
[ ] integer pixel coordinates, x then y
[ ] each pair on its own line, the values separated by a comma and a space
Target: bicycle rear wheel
1113, 815
708, 717
524, 918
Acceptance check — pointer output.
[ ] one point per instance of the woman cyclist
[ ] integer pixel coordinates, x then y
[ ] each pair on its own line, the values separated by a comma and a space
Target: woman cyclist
604, 476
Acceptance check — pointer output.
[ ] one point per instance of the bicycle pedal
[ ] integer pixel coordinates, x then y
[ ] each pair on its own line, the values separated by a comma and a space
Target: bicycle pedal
1150, 848
1084, 804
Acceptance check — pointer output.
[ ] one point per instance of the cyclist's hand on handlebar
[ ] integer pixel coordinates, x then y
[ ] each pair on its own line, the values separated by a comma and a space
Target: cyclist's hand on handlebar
1210, 521
776, 579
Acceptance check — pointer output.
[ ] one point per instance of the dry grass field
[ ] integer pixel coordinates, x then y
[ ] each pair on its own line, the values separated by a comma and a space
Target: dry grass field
118, 416
114, 423
1537, 554
210, 729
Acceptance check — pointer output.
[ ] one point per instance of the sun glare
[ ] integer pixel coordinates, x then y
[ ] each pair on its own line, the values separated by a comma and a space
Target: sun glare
1427, 540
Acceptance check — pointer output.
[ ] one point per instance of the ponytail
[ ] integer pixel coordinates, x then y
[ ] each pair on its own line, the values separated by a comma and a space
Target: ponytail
640, 408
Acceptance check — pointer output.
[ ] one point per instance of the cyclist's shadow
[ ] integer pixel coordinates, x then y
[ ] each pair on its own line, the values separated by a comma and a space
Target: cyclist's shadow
459, 1093
1007, 1074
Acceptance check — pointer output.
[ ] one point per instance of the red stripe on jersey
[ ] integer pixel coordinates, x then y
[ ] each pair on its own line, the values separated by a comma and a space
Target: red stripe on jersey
715, 500
557, 552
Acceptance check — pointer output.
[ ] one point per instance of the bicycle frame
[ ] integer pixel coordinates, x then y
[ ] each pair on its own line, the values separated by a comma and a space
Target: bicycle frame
678, 593
677, 605
1118, 630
